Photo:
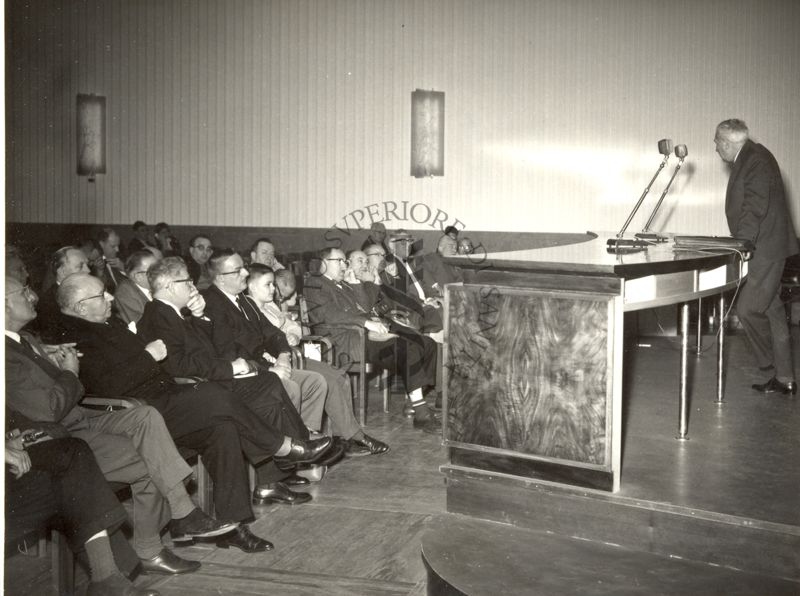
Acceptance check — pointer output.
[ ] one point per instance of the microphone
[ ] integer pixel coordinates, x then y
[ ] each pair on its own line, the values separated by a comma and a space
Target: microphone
616, 245
680, 152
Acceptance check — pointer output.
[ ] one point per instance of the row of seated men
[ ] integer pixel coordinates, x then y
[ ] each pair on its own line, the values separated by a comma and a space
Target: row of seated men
244, 401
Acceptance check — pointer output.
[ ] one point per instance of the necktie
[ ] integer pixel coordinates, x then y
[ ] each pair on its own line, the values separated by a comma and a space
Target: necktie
240, 300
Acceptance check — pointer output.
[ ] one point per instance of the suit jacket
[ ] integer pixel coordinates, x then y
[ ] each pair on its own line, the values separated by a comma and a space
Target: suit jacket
190, 351
130, 301
38, 389
198, 273
111, 277
114, 361
755, 205
436, 271
237, 336
332, 303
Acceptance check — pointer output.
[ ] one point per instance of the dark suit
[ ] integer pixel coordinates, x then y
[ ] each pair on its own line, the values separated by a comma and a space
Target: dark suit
131, 446
191, 353
111, 277
321, 387
755, 206
204, 417
412, 355
130, 301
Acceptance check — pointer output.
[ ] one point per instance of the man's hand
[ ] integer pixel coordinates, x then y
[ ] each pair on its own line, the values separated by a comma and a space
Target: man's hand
64, 356
350, 276
116, 263
17, 460
157, 349
293, 339
240, 367
376, 326
391, 269
196, 304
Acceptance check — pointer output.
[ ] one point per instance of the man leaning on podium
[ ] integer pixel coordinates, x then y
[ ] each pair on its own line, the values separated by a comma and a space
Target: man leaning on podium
755, 206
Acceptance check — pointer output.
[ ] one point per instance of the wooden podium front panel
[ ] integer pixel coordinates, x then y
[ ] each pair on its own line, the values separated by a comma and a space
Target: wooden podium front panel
528, 382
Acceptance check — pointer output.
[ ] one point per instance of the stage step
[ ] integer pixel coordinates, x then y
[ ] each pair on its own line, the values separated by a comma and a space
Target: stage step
465, 556
729, 541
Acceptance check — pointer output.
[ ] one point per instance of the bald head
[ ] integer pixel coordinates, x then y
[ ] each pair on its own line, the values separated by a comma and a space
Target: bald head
82, 295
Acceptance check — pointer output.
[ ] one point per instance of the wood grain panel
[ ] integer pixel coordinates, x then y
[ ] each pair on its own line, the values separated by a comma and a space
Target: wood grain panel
527, 372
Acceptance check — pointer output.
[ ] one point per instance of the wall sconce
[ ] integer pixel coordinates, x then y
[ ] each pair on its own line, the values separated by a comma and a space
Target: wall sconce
91, 135
427, 133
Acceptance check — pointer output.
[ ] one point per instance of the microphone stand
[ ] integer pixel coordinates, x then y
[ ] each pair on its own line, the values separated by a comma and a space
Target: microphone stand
619, 244
646, 234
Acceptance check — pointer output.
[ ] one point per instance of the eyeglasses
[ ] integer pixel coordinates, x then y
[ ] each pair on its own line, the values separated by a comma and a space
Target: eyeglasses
26, 291
376, 254
103, 295
339, 260
187, 280
237, 270
208, 248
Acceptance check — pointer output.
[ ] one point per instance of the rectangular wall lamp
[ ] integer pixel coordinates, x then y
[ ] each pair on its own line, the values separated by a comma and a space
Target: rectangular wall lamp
427, 133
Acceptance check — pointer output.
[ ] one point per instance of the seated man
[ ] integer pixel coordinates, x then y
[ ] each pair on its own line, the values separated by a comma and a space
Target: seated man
191, 353
165, 241
234, 336
263, 252
54, 480
377, 235
200, 250
64, 262
133, 292
203, 416
338, 405
131, 446
332, 301
142, 240
111, 273
426, 313
435, 271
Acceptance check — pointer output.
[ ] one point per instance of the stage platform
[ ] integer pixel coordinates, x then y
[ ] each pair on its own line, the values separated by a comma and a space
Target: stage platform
719, 513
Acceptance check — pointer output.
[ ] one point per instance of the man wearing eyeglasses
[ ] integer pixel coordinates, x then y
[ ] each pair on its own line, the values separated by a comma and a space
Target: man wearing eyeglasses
331, 301
133, 292
132, 446
202, 416
200, 250
192, 353
64, 262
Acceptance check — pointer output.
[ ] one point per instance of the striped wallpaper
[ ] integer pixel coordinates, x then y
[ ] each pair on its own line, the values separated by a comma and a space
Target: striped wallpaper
297, 112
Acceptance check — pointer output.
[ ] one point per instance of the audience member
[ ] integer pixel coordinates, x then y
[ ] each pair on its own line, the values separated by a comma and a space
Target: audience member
56, 481
191, 353
436, 273
112, 266
465, 246
282, 287
338, 405
142, 240
15, 265
200, 250
132, 446
332, 301
263, 252
165, 241
377, 235
133, 292
201, 416
64, 262
94, 255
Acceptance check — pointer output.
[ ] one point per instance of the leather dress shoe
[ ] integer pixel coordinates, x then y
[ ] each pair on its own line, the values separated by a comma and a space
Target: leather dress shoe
117, 585
198, 525
775, 386
278, 492
245, 540
429, 425
295, 480
168, 563
332, 455
303, 452
365, 446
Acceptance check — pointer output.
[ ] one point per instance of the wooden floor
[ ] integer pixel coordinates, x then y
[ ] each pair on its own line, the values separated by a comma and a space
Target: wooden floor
361, 535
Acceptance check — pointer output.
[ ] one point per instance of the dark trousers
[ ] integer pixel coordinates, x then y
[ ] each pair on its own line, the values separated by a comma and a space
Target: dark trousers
412, 355
213, 421
267, 400
65, 487
763, 317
